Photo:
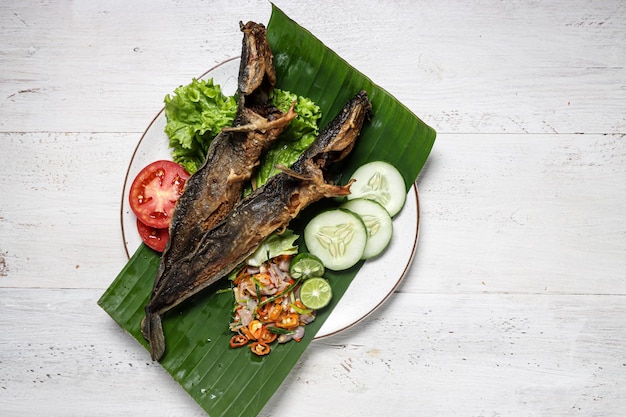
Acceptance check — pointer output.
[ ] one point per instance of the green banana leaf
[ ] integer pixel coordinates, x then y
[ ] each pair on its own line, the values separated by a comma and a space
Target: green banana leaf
235, 382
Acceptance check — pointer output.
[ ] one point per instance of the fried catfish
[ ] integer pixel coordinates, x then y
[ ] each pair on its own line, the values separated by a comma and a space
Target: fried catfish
268, 209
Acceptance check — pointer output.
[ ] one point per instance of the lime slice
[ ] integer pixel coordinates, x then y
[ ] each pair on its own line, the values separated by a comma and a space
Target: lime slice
316, 293
305, 266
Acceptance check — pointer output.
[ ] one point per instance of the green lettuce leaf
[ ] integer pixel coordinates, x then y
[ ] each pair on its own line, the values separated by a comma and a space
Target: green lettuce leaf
195, 114
297, 137
276, 244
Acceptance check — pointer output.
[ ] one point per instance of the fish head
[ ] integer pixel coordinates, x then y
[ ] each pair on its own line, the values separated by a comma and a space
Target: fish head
338, 139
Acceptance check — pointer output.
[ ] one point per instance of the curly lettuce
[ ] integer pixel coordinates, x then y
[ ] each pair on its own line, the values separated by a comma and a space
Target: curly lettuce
298, 135
195, 114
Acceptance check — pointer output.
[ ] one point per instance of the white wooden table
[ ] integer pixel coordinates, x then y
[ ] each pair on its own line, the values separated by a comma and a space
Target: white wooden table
516, 302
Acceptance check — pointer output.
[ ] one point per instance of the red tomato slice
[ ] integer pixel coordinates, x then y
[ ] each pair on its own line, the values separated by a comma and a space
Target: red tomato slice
154, 192
154, 238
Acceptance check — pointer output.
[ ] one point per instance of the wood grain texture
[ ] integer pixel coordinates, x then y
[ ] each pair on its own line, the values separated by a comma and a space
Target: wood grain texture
523, 213
487, 66
515, 304
452, 354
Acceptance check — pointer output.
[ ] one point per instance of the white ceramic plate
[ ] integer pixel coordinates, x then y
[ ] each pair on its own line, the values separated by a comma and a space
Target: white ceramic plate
376, 280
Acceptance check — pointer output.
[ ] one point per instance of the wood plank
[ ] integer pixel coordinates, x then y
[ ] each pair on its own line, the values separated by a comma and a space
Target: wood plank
515, 302
523, 213
464, 354
463, 67
525, 221
60, 221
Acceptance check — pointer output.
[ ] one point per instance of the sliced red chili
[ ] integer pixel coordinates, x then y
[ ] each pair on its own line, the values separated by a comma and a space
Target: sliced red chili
238, 340
300, 308
255, 328
267, 336
246, 333
262, 279
288, 321
270, 312
243, 273
260, 348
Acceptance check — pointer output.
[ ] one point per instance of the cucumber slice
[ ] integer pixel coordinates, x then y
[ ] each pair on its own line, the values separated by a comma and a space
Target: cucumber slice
381, 182
377, 222
338, 237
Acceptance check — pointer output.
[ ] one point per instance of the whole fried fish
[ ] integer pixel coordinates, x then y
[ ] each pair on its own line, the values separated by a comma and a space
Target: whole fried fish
268, 209
212, 191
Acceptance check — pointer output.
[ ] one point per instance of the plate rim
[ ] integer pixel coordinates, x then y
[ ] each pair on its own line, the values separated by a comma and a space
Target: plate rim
134, 154
407, 264
398, 282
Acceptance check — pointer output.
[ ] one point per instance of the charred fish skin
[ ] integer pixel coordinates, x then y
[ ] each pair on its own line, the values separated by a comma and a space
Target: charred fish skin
257, 75
213, 190
268, 209
234, 153
338, 138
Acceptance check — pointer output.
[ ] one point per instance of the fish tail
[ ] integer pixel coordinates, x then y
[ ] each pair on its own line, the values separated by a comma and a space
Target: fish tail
152, 330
